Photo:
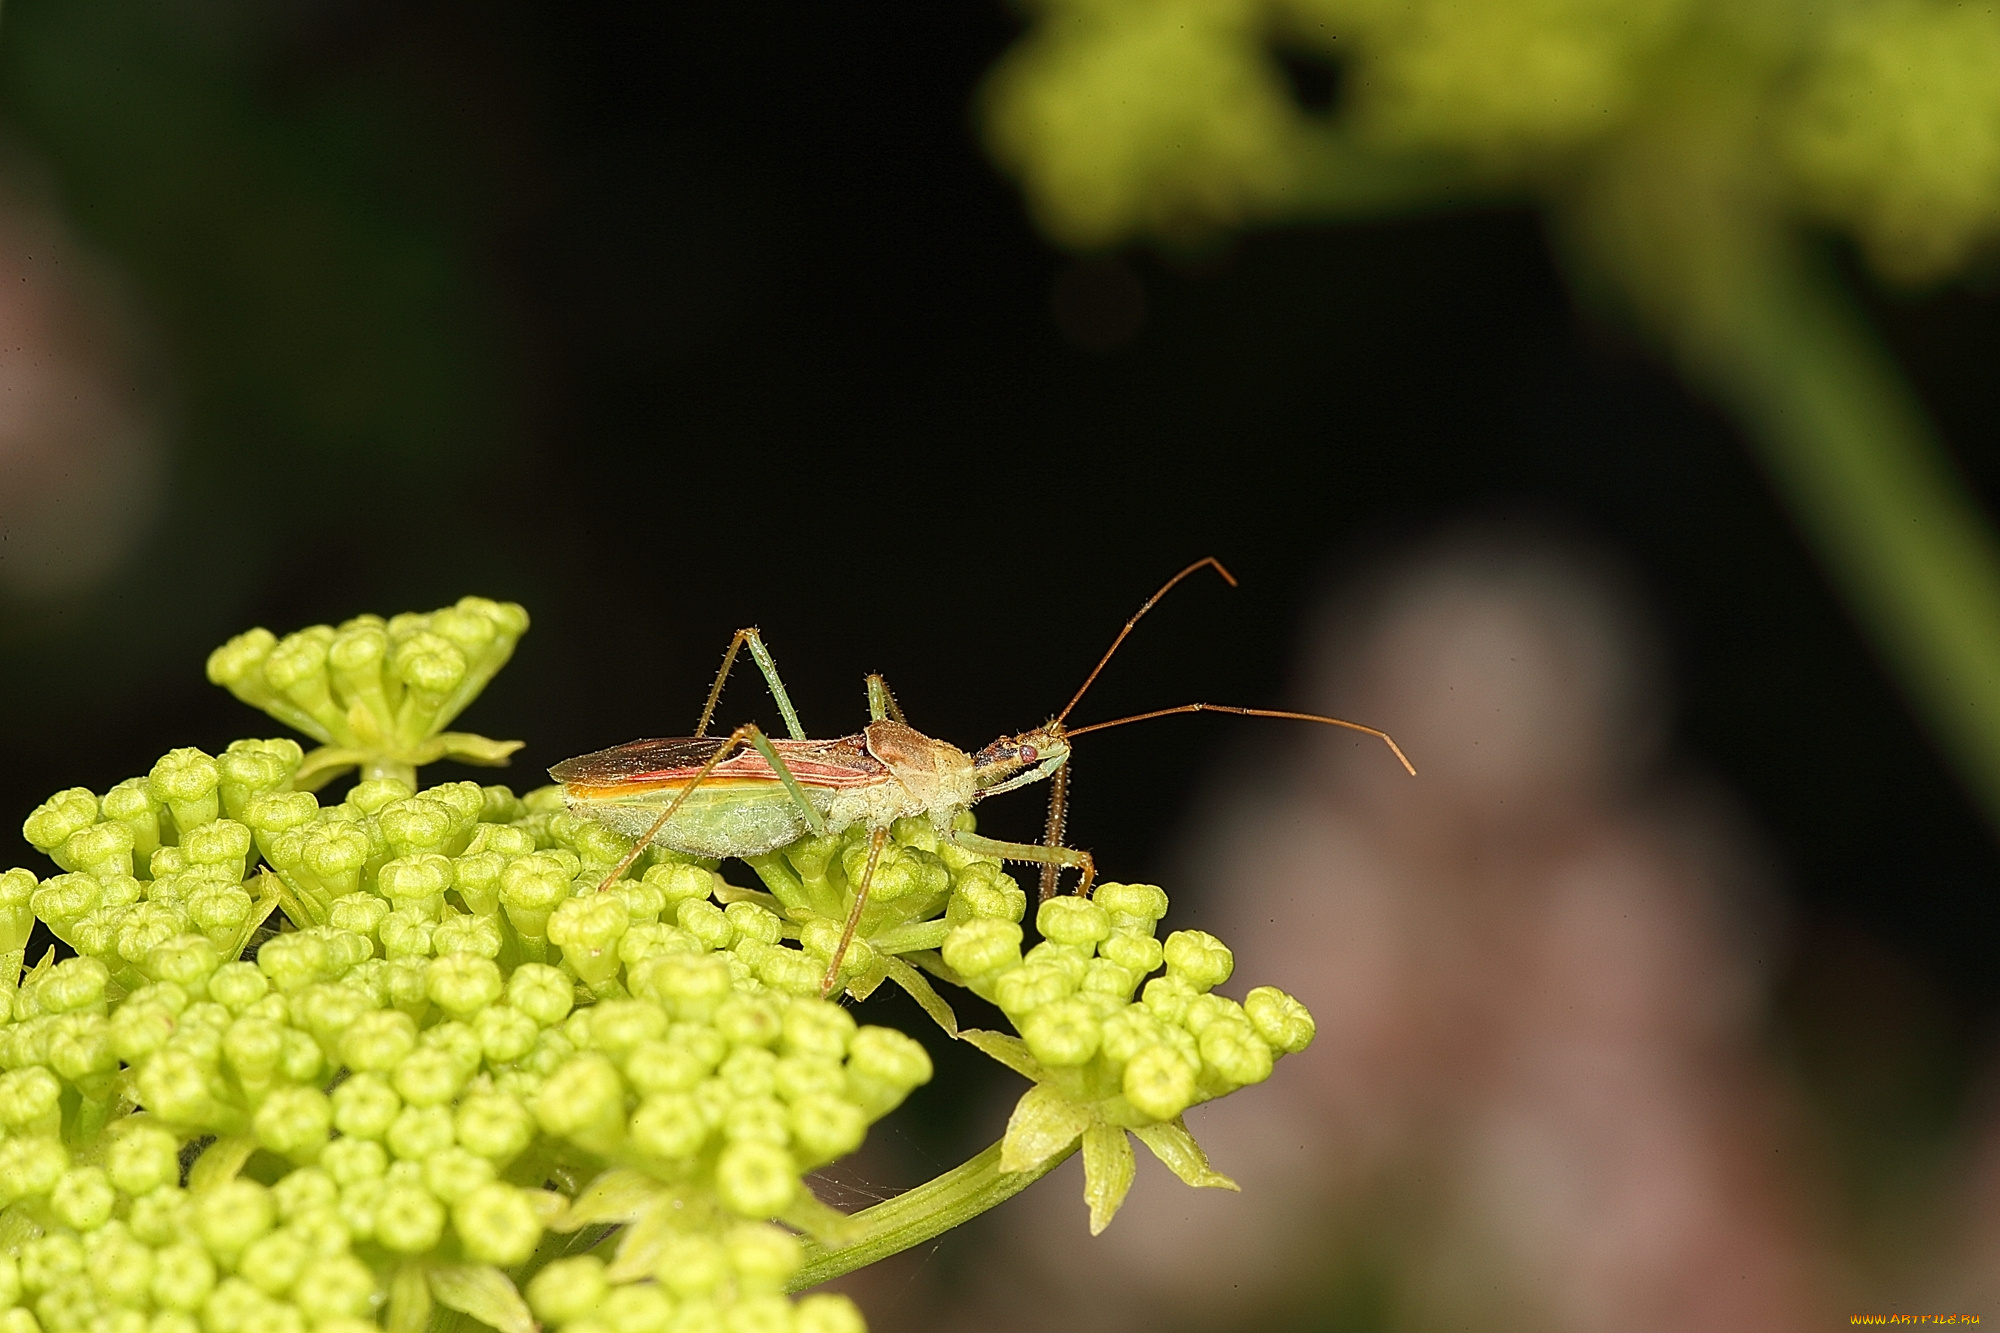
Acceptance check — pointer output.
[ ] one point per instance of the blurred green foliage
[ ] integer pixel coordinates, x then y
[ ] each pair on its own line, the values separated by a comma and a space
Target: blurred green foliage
1688, 154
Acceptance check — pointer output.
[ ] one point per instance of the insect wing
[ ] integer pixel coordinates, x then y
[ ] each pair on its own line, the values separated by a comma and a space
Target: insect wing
836, 763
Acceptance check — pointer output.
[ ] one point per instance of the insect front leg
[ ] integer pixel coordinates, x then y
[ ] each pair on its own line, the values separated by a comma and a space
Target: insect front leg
881, 703
1056, 857
765, 664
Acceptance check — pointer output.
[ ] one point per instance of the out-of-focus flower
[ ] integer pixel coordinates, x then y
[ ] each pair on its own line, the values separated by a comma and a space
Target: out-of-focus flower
80, 457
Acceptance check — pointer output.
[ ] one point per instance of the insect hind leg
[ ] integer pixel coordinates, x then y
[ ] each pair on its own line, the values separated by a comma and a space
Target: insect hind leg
1035, 853
765, 664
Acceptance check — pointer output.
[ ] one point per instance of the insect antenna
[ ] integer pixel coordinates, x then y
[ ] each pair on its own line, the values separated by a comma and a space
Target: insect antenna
1394, 748
1167, 587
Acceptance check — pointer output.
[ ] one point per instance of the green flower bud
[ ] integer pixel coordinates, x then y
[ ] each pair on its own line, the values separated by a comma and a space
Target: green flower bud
669, 1126
568, 1289
66, 899
221, 844
101, 850
429, 1078
336, 854
757, 1119
47, 1260
419, 1131
183, 1276
364, 1107
1130, 949
1062, 1034
303, 1191
272, 1263
340, 1286
293, 960
416, 883
74, 985
1106, 978
59, 818
1168, 997
827, 1314
763, 1256
360, 913
478, 936
678, 882
706, 922
253, 1047
494, 1125
30, 1101
142, 1158
530, 888
585, 1097
349, 1161
17, 917
82, 1198
496, 1225
80, 1051
1077, 922
588, 929
619, 1026
187, 782
826, 1127
691, 987
404, 935
428, 663
1025, 989
1198, 958
640, 1307
542, 993
1135, 904
376, 794
378, 1041
883, 1065
1160, 1082
817, 1028
163, 1216
746, 1020
452, 1173
1203, 1010
754, 922
294, 1122
750, 1071
464, 984
230, 1216
1235, 1054
418, 825
1279, 1019
505, 1034
983, 945
755, 1179
408, 1220
121, 1269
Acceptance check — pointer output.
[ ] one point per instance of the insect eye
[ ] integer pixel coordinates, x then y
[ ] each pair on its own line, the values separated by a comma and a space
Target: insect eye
1028, 755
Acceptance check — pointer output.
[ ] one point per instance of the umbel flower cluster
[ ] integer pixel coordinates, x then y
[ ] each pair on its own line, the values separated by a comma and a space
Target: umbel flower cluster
405, 1058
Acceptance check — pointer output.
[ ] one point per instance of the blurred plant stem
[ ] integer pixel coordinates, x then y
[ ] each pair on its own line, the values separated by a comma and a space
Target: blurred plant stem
1677, 230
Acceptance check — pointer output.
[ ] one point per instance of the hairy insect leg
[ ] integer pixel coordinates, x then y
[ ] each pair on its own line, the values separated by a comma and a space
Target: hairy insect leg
762, 656
1052, 832
876, 841
881, 703
1031, 852
747, 734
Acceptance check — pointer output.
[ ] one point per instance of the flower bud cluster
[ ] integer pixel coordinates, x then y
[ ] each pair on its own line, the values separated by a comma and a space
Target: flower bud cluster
1137, 1061
378, 693
463, 1029
921, 887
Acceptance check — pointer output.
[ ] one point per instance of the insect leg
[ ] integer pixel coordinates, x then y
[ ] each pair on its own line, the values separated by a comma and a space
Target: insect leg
737, 739
1052, 832
814, 820
765, 664
881, 703
876, 841
1030, 851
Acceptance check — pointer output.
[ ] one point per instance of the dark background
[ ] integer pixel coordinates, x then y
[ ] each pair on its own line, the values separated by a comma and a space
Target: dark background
668, 319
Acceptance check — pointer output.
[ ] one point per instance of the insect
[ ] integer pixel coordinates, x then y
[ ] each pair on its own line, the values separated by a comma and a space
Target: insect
745, 794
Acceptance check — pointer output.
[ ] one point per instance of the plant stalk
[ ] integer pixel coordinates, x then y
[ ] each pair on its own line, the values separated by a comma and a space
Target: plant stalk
915, 1216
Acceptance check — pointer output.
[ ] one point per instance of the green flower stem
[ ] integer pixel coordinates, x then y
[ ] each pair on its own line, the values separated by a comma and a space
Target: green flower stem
915, 1216
1687, 239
